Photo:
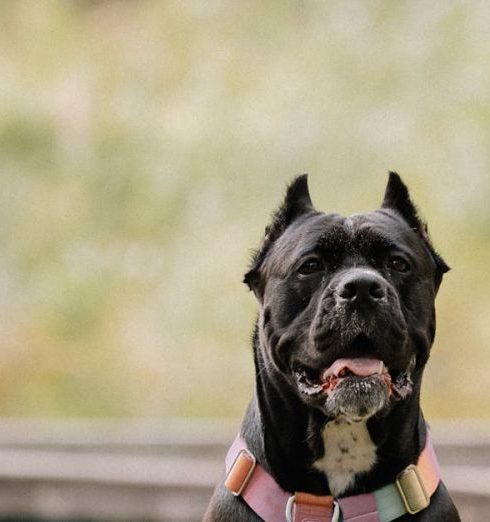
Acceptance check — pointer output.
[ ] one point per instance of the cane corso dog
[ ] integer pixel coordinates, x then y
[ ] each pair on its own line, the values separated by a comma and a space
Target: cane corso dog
344, 331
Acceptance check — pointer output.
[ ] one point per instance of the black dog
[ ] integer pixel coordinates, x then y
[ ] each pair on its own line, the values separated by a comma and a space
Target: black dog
346, 322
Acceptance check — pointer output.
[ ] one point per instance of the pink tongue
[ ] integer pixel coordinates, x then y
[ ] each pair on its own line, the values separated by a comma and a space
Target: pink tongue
359, 366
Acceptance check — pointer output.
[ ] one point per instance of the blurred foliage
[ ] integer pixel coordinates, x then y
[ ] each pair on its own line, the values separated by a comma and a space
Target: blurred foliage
143, 146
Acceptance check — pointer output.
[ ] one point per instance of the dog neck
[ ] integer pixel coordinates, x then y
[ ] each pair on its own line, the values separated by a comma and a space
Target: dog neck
289, 439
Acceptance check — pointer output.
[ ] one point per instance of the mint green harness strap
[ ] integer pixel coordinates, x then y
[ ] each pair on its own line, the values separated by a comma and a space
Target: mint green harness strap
390, 503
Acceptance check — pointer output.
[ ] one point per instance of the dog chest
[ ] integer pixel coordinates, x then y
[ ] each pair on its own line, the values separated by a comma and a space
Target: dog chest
349, 451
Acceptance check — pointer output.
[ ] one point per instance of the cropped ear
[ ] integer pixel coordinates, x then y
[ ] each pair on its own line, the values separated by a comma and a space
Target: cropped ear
297, 202
398, 199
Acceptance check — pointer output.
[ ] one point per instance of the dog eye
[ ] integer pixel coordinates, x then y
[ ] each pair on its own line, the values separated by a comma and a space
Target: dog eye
398, 264
311, 266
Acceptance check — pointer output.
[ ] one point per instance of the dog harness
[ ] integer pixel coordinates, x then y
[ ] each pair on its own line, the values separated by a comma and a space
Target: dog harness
410, 493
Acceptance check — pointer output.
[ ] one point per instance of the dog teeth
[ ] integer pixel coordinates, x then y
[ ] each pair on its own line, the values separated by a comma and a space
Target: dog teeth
381, 367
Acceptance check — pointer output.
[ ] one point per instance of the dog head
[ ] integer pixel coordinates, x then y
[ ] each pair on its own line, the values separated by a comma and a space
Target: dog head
347, 303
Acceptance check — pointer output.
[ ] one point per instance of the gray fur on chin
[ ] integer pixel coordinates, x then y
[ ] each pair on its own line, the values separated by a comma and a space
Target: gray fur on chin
358, 398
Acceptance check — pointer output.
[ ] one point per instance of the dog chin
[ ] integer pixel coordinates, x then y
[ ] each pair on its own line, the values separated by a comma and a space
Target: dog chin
357, 398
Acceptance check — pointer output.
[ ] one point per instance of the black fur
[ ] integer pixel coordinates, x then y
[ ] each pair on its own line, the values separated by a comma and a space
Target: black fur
303, 320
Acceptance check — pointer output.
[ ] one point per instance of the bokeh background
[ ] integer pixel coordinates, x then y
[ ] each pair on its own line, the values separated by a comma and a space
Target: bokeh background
143, 146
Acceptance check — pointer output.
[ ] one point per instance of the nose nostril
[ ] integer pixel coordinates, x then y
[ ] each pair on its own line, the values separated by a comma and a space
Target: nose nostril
348, 291
376, 291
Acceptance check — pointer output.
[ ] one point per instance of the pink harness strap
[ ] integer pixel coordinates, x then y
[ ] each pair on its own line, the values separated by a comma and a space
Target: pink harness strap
261, 492
246, 478
359, 508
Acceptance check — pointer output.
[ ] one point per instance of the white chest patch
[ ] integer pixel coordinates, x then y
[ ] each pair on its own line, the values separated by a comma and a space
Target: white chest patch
349, 450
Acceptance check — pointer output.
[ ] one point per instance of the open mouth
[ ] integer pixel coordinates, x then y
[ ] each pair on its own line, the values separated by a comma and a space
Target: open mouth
344, 371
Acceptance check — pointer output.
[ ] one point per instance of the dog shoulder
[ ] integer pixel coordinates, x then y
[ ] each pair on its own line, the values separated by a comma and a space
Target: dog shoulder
224, 507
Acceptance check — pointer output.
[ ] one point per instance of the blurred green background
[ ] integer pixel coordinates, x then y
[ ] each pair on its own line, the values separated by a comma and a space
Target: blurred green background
143, 146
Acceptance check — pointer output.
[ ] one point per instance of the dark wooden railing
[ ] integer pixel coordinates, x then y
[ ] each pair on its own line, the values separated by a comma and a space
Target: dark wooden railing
143, 471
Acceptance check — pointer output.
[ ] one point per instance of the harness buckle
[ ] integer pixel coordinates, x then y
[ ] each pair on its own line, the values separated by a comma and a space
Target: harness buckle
291, 502
240, 472
412, 490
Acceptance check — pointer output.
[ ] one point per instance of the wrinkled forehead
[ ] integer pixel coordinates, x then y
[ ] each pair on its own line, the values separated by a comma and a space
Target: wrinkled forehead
356, 234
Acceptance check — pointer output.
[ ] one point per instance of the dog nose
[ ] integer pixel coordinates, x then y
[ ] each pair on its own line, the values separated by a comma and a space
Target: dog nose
364, 286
